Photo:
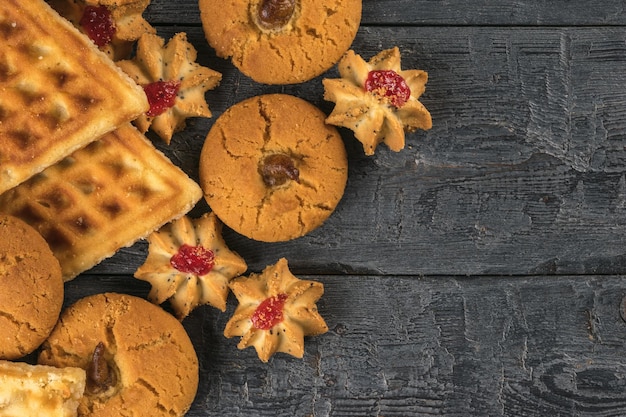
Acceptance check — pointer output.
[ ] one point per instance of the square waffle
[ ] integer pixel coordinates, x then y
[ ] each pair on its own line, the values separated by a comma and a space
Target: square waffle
101, 198
58, 92
40, 390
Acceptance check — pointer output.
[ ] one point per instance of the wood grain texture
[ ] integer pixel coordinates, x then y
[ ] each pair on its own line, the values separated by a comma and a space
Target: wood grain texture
478, 272
522, 173
447, 12
414, 346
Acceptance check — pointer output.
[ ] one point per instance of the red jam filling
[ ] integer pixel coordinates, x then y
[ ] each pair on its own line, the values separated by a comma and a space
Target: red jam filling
193, 260
390, 85
161, 96
269, 313
98, 24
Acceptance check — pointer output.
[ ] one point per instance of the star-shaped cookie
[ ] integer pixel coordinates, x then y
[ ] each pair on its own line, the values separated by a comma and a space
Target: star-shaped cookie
114, 25
189, 263
276, 310
377, 100
174, 83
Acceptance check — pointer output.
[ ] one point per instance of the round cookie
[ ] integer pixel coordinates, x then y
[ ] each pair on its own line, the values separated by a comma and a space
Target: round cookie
281, 41
138, 357
31, 288
271, 169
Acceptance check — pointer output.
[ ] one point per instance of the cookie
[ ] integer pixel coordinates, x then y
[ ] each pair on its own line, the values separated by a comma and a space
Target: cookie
113, 25
377, 100
31, 288
271, 169
173, 82
276, 311
281, 41
39, 390
189, 263
138, 357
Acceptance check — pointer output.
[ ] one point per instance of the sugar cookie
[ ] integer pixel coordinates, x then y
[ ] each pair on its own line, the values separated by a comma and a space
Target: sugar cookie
271, 169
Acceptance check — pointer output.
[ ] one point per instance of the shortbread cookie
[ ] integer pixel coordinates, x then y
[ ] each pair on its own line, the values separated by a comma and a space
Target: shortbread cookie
276, 310
281, 41
113, 25
59, 92
38, 390
31, 288
103, 197
189, 263
377, 99
138, 358
271, 169
174, 83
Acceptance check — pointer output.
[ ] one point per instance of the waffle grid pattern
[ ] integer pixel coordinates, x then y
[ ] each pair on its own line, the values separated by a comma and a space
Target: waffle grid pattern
101, 198
56, 93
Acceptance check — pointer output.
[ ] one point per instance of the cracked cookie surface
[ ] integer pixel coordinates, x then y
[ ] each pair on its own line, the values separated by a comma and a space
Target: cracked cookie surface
271, 169
137, 356
31, 288
281, 41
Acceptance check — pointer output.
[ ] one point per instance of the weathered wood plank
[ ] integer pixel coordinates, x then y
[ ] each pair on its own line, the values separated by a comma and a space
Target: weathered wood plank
522, 173
457, 12
411, 346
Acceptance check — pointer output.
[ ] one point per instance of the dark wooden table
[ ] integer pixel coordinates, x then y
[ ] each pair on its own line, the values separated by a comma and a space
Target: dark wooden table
478, 272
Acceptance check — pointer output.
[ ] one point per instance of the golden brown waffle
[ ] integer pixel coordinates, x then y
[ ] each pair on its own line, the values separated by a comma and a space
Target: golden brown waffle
58, 92
101, 198
40, 390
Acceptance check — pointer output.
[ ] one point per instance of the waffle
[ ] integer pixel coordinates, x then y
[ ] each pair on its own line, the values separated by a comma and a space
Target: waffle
58, 92
101, 198
39, 390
